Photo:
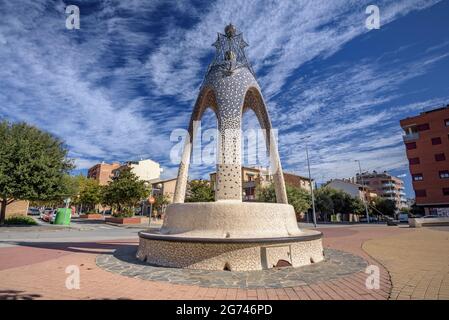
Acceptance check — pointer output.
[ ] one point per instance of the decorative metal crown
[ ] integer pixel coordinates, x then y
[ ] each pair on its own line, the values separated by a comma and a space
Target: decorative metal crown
230, 53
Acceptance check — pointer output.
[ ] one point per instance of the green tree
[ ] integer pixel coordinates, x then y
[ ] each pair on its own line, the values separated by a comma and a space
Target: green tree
124, 192
357, 206
329, 201
33, 165
385, 206
89, 192
161, 201
340, 201
199, 191
68, 188
266, 194
299, 198
323, 202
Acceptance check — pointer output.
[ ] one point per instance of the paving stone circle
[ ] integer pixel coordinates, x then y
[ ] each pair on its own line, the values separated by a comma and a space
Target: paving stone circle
336, 264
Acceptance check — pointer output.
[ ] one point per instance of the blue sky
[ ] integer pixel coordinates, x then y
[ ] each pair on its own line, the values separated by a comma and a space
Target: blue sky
115, 89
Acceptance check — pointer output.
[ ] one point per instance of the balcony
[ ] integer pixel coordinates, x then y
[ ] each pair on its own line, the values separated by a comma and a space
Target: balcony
411, 136
389, 185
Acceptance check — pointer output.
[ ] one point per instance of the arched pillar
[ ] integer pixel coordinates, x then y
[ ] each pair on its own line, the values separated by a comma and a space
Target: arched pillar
255, 102
205, 100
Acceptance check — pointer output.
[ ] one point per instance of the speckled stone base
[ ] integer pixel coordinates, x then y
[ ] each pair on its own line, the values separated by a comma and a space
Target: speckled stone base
230, 254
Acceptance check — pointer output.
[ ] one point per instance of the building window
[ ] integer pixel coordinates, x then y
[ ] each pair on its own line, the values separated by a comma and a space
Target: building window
436, 141
440, 157
410, 145
446, 191
446, 122
420, 193
417, 177
444, 174
413, 161
422, 127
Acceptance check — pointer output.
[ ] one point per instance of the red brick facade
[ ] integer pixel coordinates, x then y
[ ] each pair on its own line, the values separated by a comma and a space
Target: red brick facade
102, 172
427, 145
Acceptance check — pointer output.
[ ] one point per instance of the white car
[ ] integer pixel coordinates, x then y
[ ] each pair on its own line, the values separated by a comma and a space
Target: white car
53, 215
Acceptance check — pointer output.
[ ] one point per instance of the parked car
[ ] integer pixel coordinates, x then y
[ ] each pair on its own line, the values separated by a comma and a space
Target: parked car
45, 216
33, 212
48, 215
53, 216
371, 219
403, 217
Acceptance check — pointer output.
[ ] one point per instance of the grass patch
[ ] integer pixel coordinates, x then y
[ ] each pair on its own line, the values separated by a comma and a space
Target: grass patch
20, 220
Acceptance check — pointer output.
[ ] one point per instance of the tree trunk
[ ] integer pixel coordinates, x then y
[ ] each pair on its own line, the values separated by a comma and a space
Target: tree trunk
3, 211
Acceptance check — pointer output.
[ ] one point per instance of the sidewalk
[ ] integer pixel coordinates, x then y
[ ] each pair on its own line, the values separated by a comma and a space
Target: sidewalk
418, 262
38, 270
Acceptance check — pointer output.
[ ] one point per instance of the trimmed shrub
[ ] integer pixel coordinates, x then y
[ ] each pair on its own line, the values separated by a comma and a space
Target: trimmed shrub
20, 220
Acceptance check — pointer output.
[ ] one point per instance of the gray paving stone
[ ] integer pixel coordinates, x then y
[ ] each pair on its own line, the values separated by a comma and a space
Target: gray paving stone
337, 264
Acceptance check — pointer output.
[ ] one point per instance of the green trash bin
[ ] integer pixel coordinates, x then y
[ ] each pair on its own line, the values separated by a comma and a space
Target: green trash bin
63, 216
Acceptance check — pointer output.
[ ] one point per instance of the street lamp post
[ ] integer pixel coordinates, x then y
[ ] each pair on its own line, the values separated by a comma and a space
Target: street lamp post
310, 180
364, 195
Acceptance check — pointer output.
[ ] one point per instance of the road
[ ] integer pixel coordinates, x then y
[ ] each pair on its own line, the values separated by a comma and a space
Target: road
79, 231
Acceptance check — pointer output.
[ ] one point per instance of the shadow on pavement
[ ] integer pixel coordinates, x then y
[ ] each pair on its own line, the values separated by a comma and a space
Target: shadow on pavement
80, 247
87, 221
17, 295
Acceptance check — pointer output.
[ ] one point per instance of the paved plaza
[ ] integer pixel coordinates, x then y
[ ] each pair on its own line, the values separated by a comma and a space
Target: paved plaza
413, 264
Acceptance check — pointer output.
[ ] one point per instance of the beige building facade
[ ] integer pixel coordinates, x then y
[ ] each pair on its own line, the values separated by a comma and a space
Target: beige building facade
254, 177
353, 189
146, 170
385, 186
17, 208
165, 187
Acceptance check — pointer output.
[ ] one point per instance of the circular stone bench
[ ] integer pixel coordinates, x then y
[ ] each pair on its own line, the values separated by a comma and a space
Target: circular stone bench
230, 235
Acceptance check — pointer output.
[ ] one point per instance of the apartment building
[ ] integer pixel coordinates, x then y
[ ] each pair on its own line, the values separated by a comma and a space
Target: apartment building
385, 186
254, 177
146, 170
102, 172
165, 187
353, 189
426, 138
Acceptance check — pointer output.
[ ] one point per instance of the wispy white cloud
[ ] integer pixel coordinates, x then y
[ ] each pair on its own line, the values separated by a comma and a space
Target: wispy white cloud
116, 88
351, 113
283, 35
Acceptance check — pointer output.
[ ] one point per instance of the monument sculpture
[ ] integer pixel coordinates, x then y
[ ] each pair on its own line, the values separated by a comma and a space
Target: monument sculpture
229, 234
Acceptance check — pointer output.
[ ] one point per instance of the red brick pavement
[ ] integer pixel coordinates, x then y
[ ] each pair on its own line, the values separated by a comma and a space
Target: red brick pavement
39, 271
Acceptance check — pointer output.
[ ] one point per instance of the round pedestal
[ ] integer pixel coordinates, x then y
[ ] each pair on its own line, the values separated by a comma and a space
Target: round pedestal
230, 235
230, 219
230, 254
